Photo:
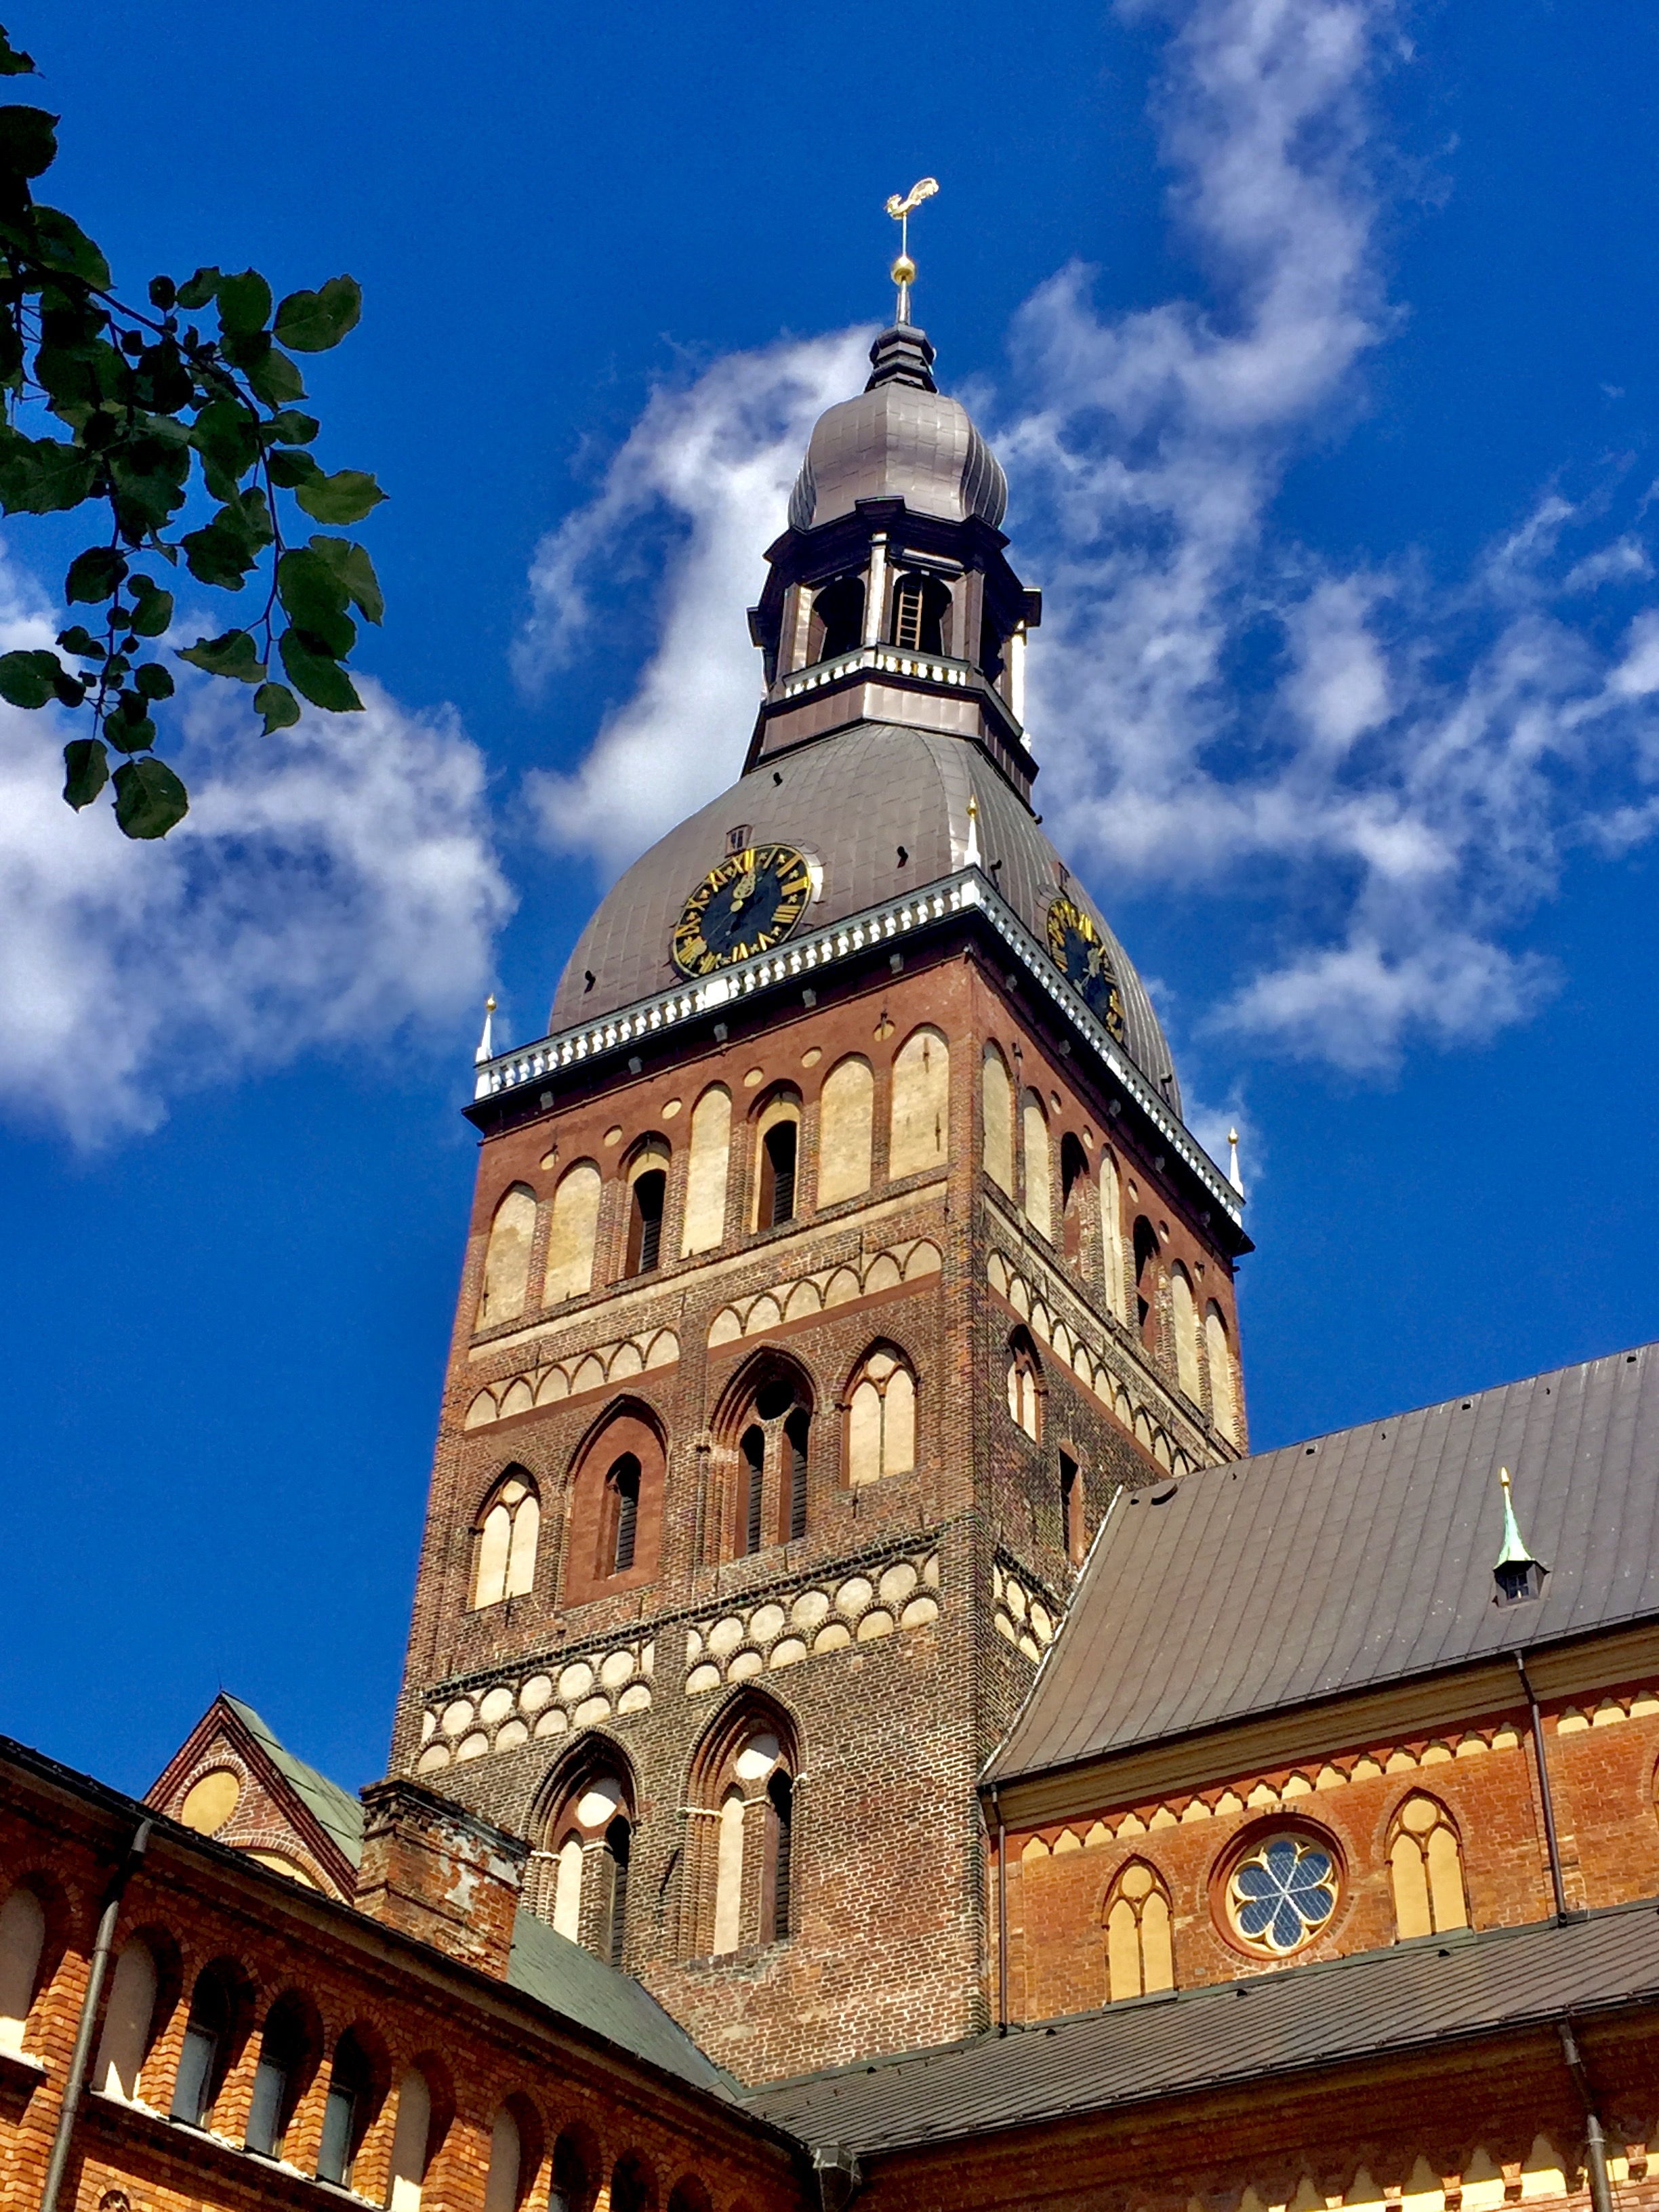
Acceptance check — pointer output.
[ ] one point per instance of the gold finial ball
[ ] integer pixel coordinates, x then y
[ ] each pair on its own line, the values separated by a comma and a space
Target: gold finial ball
904, 271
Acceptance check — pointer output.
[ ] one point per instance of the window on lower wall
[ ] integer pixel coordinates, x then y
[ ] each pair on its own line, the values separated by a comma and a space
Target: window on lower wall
285, 2048
1425, 1868
22, 1938
1139, 1955
743, 1865
204, 2053
346, 2113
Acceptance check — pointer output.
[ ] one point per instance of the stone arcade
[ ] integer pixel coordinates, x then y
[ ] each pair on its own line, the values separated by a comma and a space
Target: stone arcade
869, 1729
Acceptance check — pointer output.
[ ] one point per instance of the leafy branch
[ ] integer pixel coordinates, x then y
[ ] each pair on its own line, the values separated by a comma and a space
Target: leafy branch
151, 403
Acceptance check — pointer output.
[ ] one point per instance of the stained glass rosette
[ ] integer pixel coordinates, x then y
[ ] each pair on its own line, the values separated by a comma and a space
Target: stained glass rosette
1281, 1895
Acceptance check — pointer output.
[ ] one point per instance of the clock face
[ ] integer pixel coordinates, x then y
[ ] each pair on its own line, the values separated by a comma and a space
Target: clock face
749, 904
1077, 949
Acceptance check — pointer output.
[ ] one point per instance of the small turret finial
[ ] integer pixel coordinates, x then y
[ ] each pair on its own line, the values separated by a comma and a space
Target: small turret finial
970, 854
486, 1041
904, 272
1233, 1176
1518, 1574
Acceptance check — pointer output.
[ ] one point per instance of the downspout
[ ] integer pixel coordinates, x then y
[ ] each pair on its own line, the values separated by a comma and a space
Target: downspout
1002, 1918
103, 1943
1595, 2143
1544, 1792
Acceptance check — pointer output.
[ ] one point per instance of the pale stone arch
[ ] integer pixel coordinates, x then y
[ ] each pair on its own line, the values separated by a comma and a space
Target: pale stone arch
506, 1536
881, 1416
847, 1107
1183, 1313
22, 1939
571, 1233
1039, 1196
922, 1103
1025, 1385
1425, 1869
707, 1170
506, 1256
1139, 1952
740, 1874
128, 2017
1223, 1381
1111, 1234
997, 1115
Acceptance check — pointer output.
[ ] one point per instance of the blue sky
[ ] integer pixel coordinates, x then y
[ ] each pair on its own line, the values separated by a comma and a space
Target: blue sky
1319, 342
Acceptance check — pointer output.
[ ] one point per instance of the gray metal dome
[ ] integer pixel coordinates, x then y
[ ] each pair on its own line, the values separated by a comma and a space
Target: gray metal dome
900, 438
848, 803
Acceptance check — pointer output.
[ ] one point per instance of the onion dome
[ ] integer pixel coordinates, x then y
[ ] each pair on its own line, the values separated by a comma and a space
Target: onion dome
902, 437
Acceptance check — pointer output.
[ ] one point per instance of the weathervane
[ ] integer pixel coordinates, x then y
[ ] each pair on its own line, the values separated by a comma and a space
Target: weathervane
904, 271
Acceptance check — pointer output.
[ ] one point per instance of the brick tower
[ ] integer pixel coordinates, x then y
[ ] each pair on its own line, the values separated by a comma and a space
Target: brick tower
835, 1258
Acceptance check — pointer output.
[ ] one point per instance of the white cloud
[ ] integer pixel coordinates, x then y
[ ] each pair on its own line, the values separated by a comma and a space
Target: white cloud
1385, 769
718, 458
330, 888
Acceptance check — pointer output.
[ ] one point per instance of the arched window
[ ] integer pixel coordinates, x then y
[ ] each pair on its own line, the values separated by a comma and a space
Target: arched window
612, 1939
1039, 1200
591, 1815
1025, 1384
411, 2142
505, 1541
743, 1865
571, 1232
648, 1200
1426, 1866
706, 1170
1073, 1197
1074, 1532
567, 1914
770, 1410
837, 623
572, 2189
997, 1118
506, 1257
206, 2049
1139, 1958
1145, 1250
632, 2188
280, 2078
128, 2019
1183, 1313
881, 1418
622, 1486
778, 1138
22, 1938
921, 614
346, 2113
501, 2191
921, 1104
1224, 1388
845, 1121
1111, 1235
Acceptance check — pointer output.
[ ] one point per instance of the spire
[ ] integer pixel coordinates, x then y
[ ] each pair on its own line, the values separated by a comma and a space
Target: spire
971, 856
904, 272
1233, 1176
486, 1041
1518, 1573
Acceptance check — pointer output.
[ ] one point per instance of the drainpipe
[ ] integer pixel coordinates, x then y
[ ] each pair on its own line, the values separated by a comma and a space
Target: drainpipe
103, 1943
1595, 2143
1002, 1919
1544, 1794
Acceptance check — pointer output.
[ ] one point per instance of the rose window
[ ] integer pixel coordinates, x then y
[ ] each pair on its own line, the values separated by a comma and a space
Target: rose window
1282, 1893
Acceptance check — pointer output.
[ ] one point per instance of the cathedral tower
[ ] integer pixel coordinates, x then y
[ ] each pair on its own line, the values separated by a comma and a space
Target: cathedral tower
836, 1256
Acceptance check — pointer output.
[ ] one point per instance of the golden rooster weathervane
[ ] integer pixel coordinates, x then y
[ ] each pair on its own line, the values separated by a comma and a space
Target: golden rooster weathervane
904, 272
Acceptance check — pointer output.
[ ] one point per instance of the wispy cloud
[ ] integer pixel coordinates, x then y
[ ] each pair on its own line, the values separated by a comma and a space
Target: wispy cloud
331, 888
1384, 768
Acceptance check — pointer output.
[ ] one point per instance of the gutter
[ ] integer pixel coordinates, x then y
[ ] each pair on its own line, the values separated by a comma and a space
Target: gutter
103, 1943
1596, 2141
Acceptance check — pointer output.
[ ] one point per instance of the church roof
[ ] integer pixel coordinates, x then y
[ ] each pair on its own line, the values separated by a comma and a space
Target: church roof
336, 1809
1359, 1559
1414, 1997
573, 1983
849, 802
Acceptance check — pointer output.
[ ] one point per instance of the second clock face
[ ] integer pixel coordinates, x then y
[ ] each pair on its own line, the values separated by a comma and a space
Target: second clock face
749, 904
1077, 949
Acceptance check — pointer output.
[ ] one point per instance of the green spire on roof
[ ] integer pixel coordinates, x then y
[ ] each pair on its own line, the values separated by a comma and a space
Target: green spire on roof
1515, 1552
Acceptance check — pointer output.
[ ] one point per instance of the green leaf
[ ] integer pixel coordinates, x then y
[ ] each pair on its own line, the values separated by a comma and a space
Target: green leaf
161, 382
13, 61
290, 428
154, 682
311, 322
28, 141
315, 600
201, 288
315, 677
227, 433
80, 640
235, 654
129, 729
148, 798
224, 550
43, 476
274, 379
94, 575
60, 243
163, 293
278, 705
244, 304
289, 469
29, 679
153, 609
346, 497
356, 571
86, 771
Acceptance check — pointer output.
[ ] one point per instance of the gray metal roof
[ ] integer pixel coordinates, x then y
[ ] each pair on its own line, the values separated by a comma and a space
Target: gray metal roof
1417, 1997
848, 802
337, 1810
573, 1983
1360, 1559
